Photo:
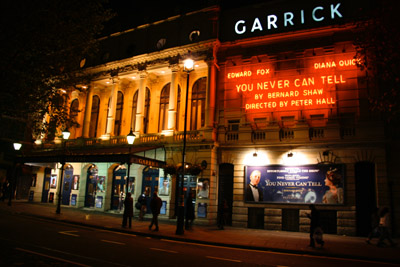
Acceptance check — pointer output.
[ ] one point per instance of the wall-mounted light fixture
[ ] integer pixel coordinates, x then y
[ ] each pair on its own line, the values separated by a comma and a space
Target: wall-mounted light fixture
17, 146
255, 154
290, 154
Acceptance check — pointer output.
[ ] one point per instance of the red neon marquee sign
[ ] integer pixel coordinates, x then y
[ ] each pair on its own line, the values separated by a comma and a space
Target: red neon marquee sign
314, 85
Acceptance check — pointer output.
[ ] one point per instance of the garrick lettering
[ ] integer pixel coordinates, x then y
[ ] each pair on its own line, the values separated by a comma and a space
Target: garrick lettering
271, 22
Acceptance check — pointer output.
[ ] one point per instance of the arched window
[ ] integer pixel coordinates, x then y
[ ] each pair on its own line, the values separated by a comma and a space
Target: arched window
118, 114
178, 107
73, 114
164, 106
134, 109
94, 116
198, 104
146, 111
73, 111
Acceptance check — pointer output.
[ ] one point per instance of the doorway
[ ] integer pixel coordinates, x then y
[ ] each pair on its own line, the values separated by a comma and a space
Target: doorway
118, 188
66, 193
91, 186
225, 192
365, 196
46, 185
150, 184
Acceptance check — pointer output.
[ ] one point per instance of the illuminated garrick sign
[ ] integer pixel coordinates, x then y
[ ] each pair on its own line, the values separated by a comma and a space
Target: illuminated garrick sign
271, 21
272, 86
271, 17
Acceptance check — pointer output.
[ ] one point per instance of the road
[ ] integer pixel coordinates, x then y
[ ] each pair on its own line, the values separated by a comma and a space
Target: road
30, 241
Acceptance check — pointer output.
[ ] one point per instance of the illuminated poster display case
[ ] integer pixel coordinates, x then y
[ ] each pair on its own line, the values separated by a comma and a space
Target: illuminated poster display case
308, 184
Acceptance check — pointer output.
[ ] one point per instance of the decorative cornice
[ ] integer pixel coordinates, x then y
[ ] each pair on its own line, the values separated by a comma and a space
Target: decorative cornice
201, 51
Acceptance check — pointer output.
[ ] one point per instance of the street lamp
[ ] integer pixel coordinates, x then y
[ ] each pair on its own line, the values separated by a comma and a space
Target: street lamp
188, 66
13, 184
65, 136
130, 138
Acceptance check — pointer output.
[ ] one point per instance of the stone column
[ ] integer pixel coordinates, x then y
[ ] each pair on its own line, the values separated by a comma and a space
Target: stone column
88, 112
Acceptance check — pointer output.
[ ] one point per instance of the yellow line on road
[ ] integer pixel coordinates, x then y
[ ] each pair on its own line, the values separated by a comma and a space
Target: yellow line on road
51, 257
223, 259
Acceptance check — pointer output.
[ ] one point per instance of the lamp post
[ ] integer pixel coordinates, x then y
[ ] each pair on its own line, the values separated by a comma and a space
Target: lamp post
188, 66
65, 136
130, 138
13, 184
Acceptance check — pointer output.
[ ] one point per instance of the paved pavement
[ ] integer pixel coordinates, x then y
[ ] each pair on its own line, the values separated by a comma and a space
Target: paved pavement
279, 241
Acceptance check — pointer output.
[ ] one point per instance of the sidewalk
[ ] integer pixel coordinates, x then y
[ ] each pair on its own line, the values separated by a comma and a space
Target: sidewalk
279, 241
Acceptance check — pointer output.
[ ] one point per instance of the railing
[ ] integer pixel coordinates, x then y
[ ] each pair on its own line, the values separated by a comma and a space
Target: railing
315, 133
258, 136
190, 136
286, 134
91, 142
232, 136
347, 132
148, 138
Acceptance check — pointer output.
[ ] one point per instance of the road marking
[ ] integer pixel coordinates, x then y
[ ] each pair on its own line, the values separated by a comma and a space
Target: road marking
51, 257
117, 233
113, 242
159, 249
281, 253
223, 259
69, 233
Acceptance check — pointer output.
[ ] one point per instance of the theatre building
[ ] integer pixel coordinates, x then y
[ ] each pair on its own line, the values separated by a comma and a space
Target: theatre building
277, 119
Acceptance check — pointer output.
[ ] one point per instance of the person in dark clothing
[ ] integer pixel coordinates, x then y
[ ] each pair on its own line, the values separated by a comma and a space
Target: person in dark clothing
143, 204
189, 212
314, 225
384, 228
374, 225
128, 211
155, 206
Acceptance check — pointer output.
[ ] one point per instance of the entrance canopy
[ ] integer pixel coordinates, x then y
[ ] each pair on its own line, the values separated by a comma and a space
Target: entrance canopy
121, 155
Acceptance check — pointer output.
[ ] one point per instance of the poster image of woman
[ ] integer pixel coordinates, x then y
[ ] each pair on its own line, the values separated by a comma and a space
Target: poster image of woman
334, 195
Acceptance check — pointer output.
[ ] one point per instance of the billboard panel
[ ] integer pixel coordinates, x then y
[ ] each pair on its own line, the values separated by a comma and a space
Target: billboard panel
318, 184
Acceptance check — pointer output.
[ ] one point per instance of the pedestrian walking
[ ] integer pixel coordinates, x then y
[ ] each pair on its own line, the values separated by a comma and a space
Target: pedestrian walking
189, 211
384, 228
374, 225
155, 206
143, 205
128, 211
315, 227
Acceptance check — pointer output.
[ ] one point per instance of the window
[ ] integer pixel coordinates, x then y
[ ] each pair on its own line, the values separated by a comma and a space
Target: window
146, 111
94, 116
118, 114
198, 104
134, 109
164, 106
233, 125
178, 107
74, 109
288, 121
